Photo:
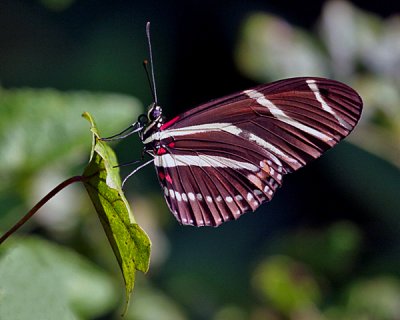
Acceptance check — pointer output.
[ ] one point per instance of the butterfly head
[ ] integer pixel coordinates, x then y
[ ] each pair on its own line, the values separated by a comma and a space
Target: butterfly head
153, 121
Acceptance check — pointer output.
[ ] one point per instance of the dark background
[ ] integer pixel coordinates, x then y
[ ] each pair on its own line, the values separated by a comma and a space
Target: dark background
348, 196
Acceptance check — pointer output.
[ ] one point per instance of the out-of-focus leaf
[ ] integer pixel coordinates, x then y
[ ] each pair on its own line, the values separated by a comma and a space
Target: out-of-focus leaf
338, 26
152, 304
352, 34
233, 312
270, 48
41, 280
374, 298
379, 130
129, 242
39, 126
286, 285
377, 298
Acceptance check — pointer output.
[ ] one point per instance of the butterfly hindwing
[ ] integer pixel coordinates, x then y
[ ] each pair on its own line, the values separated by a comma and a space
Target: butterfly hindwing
210, 195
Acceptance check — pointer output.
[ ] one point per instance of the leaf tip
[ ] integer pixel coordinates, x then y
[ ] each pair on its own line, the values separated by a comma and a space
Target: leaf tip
93, 128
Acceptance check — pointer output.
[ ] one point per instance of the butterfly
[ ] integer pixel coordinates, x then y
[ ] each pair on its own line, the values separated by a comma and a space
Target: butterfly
226, 157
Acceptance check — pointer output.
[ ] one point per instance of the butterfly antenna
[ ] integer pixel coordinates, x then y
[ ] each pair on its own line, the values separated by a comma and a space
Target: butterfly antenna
146, 69
152, 80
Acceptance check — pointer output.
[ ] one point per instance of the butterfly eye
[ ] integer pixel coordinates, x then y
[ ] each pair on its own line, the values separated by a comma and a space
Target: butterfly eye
143, 120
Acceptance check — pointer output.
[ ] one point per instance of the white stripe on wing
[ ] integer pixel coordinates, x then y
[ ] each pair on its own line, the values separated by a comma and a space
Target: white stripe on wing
201, 160
281, 116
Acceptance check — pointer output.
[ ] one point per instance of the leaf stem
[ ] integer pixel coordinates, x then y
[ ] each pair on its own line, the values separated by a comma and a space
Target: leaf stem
40, 204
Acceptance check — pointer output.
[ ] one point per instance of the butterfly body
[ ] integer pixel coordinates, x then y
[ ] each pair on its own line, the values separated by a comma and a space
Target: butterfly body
228, 156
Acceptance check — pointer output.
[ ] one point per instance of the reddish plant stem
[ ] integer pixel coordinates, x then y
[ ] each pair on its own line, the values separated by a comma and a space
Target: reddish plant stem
40, 204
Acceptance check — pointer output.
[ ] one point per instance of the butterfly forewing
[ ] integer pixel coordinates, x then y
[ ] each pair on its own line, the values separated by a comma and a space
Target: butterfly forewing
226, 157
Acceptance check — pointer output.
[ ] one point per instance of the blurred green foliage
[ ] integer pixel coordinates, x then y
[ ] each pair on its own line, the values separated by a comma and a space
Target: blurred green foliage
326, 248
286, 285
41, 280
41, 126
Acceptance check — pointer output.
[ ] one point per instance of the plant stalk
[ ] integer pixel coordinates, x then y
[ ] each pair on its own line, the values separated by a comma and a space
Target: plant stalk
46, 198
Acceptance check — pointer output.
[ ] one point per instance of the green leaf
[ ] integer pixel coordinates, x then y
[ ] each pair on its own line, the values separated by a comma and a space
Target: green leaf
129, 242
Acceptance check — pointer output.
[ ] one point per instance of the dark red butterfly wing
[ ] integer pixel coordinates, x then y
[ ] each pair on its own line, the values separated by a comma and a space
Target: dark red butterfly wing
226, 157
207, 180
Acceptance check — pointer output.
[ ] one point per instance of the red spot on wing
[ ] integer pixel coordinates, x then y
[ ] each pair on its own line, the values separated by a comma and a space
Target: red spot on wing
171, 144
169, 123
161, 151
168, 178
163, 176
